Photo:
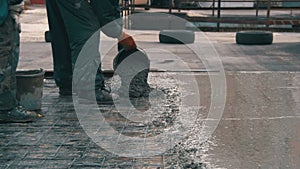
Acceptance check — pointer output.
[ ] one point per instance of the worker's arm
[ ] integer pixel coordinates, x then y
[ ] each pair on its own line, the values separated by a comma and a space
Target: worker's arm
126, 41
108, 13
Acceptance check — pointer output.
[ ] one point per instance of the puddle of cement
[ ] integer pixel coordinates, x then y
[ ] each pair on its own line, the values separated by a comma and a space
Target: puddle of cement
258, 129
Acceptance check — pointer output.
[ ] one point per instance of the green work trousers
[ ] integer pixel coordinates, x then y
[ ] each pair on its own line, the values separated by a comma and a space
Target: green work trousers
72, 23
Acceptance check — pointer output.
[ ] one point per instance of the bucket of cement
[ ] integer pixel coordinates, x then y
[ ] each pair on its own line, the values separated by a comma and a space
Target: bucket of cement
134, 70
30, 88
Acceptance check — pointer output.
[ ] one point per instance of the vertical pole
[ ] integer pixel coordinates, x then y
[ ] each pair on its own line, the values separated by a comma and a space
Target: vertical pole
219, 15
170, 6
213, 6
122, 7
257, 5
132, 6
268, 13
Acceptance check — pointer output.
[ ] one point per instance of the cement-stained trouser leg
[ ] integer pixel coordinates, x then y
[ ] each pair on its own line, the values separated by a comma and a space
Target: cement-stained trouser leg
62, 60
81, 23
8, 62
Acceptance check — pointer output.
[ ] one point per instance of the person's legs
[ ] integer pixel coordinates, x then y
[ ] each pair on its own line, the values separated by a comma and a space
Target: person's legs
60, 49
7, 71
9, 55
81, 24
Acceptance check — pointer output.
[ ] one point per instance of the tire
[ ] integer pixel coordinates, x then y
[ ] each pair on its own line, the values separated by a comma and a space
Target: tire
254, 38
48, 37
176, 36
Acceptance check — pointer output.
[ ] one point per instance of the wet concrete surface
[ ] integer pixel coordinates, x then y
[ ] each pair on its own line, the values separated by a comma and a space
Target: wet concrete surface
258, 129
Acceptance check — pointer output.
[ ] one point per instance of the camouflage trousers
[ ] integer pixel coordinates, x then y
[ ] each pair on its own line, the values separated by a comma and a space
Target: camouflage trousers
9, 56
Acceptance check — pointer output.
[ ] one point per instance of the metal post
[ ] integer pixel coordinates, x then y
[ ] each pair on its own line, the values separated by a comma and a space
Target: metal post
257, 5
269, 8
268, 13
132, 6
122, 7
213, 6
170, 6
219, 15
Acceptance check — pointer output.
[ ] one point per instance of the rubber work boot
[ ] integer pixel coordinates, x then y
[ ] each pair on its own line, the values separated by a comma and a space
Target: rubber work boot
101, 95
17, 115
65, 92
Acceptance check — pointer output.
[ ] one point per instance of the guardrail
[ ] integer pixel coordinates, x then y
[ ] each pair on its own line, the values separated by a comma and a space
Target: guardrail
258, 6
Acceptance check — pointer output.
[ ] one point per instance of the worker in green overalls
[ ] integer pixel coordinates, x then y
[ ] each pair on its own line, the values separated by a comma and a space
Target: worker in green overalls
71, 24
9, 57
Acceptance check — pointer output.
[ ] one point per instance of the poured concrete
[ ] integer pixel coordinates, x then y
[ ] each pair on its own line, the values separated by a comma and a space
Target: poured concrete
259, 127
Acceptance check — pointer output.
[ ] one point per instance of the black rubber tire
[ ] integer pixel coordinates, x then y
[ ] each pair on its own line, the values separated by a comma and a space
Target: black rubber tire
48, 37
176, 36
254, 38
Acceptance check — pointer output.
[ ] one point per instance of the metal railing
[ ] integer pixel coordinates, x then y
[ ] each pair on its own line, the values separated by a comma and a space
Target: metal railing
217, 17
267, 4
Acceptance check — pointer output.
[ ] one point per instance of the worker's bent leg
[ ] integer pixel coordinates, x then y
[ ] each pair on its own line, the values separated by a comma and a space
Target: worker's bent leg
81, 23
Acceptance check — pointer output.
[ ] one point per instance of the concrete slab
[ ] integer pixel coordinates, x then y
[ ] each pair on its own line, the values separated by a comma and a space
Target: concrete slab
259, 127
282, 55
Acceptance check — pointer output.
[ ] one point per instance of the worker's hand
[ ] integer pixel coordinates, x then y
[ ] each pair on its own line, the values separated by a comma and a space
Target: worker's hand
126, 41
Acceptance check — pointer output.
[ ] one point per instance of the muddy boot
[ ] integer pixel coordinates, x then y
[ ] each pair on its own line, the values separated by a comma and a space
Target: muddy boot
65, 92
17, 115
102, 96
